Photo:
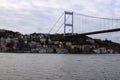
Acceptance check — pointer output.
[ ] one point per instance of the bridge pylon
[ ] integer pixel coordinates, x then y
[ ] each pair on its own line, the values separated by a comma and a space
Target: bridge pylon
69, 14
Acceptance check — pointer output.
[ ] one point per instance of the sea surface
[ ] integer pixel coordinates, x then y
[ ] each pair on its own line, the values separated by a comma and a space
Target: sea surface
59, 66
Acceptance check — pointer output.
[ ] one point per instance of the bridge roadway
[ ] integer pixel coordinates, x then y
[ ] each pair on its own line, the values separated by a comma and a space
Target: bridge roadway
99, 32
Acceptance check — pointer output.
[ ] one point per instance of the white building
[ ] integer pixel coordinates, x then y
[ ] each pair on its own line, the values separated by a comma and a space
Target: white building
90, 40
103, 50
68, 44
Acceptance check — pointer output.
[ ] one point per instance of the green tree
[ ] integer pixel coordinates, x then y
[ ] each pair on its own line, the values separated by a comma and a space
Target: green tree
10, 44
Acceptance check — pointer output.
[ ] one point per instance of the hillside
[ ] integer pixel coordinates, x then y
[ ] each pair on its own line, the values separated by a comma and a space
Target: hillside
74, 39
8, 33
82, 40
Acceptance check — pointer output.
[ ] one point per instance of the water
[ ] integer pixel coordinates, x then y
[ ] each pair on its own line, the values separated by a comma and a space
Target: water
59, 67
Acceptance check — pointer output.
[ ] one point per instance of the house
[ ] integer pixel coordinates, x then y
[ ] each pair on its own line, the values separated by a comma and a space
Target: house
86, 48
56, 43
109, 51
42, 40
41, 36
8, 40
2, 44
100, 50
75, 46
90, 41
61, 45
61, 51
45, 50
68, 44
2, 41
33, 45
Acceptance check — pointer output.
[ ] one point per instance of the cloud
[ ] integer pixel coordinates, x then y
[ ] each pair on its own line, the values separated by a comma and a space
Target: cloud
27, 16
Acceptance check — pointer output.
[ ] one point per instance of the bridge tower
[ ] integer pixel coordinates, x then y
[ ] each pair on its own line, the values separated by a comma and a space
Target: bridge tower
69, 14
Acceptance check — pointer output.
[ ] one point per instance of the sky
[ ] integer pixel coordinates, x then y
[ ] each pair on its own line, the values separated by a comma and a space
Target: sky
28, 16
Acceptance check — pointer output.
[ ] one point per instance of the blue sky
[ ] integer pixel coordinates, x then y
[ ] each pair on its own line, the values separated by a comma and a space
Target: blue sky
28, 16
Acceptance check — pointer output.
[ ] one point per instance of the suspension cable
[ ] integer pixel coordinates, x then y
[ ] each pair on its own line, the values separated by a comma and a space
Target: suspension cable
56, 22
62, 24
97, 17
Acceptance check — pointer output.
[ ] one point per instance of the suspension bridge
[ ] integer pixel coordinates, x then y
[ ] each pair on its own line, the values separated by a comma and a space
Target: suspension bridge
75, 23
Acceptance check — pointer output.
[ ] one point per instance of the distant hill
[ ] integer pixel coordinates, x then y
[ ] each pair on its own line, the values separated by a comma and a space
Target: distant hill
7, 33
82, 40
75, 39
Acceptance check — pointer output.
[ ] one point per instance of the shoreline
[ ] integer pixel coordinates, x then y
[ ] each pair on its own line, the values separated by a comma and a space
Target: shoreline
54, 53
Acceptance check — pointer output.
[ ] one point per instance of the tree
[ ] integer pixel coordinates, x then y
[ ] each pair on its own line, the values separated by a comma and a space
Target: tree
10, 44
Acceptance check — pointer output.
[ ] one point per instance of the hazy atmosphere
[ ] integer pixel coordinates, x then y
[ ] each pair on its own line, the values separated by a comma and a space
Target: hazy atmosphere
28, 16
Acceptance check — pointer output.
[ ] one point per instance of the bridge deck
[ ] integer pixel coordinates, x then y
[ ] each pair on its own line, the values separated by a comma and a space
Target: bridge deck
103, 31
